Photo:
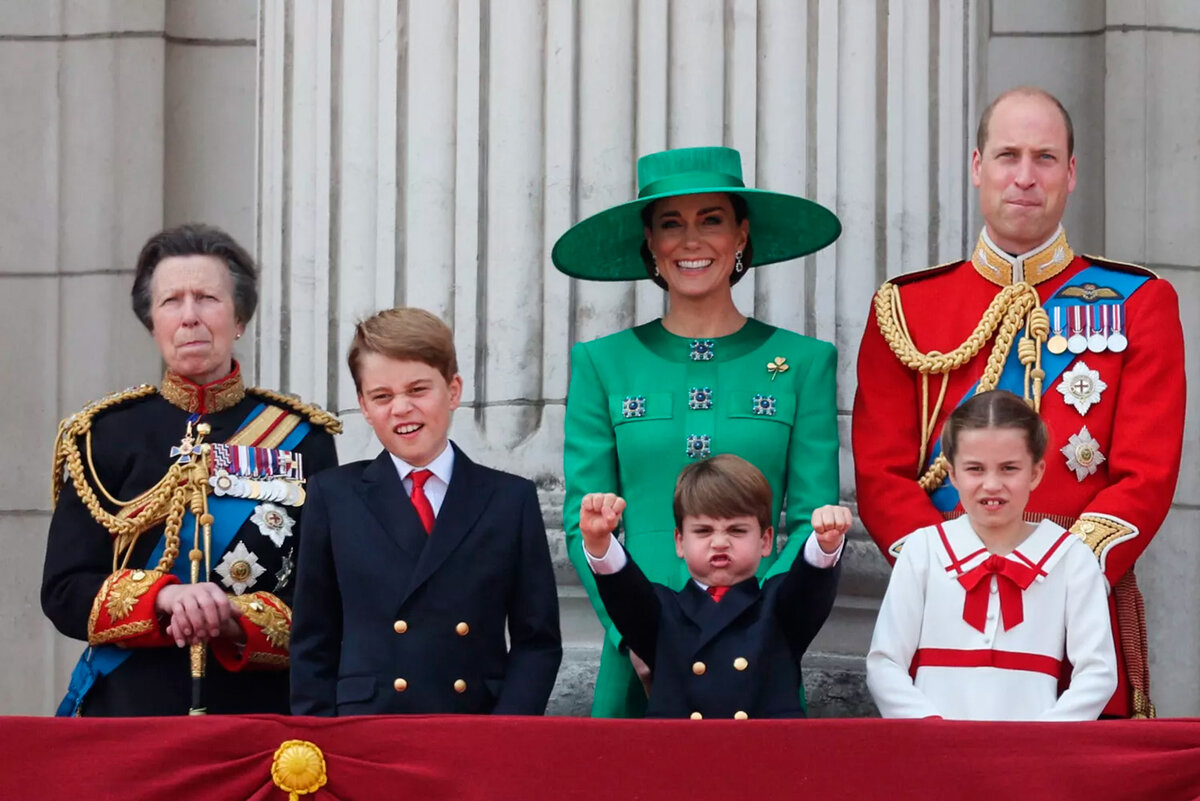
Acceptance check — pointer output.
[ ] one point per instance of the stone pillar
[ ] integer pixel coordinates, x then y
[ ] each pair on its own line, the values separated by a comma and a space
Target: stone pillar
118, 118
1129, 73
431, 153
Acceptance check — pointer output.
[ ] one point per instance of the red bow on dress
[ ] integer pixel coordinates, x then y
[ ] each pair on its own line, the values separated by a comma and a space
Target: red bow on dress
1011, 579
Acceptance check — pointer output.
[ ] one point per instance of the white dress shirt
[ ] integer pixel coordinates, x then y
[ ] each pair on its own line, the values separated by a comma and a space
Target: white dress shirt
436, 485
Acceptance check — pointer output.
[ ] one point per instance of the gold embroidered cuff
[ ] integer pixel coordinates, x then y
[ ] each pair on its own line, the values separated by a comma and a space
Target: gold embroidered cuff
267, 624
1102, 532
124, 608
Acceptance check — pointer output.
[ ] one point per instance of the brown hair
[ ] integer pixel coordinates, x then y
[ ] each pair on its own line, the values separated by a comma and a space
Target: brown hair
985, 120
740, 212
995, 409
406, 334
724, 486
196, 239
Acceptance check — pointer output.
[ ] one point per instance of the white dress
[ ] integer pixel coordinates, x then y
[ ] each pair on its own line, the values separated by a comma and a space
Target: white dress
941, 650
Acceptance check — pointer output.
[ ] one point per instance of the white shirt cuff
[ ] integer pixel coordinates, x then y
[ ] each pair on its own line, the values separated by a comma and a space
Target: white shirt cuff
818, 558
613, 560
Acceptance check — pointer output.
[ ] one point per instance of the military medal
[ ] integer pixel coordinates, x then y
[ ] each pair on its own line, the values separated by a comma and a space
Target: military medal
263, 474
285, 572
1057, 344
1077, 342
187, 446
1081, 387
1117, 342
239, 569
1097, 340
273, 522
1083, 454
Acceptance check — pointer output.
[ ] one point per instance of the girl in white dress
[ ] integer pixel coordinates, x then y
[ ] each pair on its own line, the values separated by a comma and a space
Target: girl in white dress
985, 613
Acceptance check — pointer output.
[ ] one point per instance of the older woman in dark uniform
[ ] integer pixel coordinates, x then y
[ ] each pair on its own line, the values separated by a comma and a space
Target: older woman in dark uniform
174, 535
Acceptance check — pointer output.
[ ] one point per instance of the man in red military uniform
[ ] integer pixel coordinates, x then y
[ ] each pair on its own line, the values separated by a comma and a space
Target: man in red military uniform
1095, 345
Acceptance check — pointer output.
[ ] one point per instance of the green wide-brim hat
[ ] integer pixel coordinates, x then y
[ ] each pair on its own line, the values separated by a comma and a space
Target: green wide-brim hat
607, 246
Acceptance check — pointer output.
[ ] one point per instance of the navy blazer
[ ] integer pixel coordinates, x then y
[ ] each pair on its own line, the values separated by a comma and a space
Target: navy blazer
389, 619
741, 655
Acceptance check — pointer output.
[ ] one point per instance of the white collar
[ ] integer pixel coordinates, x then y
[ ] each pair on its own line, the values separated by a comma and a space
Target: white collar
442, 465
1043, 547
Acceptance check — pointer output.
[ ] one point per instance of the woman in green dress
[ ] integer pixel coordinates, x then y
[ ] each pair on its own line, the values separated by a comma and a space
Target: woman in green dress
704, 379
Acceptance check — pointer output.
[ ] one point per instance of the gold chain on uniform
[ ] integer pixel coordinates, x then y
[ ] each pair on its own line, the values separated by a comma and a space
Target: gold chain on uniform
183, 485
1014, 307
166, 500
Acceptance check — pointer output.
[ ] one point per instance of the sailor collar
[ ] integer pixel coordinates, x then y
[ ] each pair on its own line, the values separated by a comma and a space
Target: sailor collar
960, 550
207, 399
1038, 265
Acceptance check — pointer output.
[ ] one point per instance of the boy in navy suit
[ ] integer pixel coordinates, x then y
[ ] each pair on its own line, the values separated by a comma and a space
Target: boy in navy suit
722, 647
413, 565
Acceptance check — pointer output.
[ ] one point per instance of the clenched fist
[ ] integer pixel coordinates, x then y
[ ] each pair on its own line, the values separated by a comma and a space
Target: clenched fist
830, 524
599, 514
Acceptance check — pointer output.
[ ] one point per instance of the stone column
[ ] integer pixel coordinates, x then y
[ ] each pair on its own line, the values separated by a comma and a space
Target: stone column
118, 118
431, 153
1129, 73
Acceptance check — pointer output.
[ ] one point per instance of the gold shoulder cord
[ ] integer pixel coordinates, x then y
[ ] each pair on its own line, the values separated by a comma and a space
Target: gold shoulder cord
184, 485
314, 413
1014, 307
168, 499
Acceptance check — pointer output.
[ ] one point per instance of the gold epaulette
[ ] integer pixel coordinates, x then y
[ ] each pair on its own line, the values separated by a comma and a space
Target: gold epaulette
1123, 266
80, 424
926, 272
313, 412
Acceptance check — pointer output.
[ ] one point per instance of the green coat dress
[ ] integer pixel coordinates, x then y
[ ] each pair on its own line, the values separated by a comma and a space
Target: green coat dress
643, 403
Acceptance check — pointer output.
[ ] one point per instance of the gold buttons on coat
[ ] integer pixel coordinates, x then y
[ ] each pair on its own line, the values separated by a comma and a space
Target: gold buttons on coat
400, 684
400, 626
740, 663
462, 629
740, 715
698, 668
697, 716
460, 686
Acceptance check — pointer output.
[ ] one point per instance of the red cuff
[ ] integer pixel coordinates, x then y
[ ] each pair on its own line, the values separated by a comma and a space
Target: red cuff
266, 622
123, 612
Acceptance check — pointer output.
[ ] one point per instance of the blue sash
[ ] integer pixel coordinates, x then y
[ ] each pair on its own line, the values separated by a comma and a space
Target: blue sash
229, 515
1012, 377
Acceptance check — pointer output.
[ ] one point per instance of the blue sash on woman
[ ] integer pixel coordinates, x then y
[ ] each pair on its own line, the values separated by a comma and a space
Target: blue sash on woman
229, 515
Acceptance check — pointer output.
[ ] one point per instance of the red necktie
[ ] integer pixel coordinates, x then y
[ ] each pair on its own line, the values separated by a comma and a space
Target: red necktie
1011, 579
419, 500
717, 593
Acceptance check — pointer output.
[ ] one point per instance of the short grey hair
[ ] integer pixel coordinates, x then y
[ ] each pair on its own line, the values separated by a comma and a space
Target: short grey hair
196, 239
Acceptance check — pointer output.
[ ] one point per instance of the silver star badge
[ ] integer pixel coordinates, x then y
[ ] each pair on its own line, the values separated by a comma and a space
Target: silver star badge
1081, 387
1083, 454
239, 569
273, 521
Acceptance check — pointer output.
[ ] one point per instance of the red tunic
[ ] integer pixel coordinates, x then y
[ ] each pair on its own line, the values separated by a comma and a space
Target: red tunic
1138, 421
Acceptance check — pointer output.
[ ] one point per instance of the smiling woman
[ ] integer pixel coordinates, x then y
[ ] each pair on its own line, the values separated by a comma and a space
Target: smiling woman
703, 380
202, 466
